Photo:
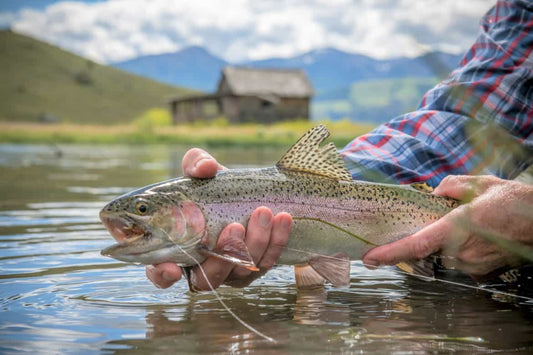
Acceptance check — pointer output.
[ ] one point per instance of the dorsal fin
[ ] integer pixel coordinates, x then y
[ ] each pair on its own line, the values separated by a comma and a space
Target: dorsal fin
306, 155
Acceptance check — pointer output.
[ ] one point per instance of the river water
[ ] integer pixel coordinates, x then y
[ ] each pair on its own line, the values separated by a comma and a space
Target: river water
59, 295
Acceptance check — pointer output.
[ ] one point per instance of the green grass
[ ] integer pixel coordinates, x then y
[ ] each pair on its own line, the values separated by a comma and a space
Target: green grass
207, 135
39, 78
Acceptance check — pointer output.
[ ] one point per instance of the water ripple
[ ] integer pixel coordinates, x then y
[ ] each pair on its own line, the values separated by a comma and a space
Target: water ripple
59, 295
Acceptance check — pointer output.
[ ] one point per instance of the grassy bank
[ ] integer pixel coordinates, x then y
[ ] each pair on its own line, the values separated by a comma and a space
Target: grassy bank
280, 134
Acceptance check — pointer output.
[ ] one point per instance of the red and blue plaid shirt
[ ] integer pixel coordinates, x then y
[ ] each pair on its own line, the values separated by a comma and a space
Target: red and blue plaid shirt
453, 130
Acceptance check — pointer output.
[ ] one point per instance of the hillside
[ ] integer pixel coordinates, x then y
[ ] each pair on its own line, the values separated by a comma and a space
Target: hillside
360, 102
38, 78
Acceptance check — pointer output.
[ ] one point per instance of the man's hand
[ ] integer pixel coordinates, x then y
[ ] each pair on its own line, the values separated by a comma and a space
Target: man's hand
494, 207
265, 238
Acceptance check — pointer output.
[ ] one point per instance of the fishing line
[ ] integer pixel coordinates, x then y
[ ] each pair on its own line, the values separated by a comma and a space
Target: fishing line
246, 325
427, 278
490, 290
272, 340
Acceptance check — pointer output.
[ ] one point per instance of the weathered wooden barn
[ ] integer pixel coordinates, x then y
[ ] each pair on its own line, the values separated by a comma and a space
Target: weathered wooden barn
249, 95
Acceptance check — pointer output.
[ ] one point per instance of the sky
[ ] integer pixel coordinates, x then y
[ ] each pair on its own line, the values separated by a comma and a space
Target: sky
238, 30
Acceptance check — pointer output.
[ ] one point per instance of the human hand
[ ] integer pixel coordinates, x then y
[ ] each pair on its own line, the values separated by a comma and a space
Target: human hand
265, 238
470, 237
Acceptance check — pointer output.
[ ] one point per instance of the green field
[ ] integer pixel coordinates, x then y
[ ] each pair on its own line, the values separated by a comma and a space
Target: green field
203, 135
376, 100
38, 79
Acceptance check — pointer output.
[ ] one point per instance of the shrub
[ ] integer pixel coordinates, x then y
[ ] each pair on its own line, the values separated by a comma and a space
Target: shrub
155, 117
83, 78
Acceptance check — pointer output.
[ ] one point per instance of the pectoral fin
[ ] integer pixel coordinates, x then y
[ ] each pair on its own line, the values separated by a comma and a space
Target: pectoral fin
335, 269
234, 251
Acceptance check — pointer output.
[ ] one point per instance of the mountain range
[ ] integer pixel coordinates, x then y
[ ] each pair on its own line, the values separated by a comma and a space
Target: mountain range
328, 69
335, 75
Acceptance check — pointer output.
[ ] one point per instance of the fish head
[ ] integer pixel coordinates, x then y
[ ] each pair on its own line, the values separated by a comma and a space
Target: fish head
153, 227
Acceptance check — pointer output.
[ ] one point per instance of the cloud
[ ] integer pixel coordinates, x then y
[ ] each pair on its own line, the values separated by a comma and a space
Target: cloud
6, 19
245, 29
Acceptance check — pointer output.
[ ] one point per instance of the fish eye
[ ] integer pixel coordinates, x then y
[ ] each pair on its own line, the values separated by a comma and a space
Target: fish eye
141, 207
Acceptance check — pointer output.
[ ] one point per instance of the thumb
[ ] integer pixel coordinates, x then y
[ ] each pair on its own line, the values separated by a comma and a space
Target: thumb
465, 187
199, 163
417, 246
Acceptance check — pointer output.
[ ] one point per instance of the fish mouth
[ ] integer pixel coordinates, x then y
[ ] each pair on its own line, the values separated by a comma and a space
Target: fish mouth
141, 243
134, 238
140, 249
123, 229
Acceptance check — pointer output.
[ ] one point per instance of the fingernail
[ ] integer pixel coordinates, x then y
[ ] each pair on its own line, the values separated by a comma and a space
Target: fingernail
371, 263
197, 164
286, 224
200, 159
265, 219
235, 232
166, 276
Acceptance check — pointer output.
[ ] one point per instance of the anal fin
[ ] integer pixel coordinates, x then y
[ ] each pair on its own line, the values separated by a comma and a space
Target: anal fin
306, 277
335, 268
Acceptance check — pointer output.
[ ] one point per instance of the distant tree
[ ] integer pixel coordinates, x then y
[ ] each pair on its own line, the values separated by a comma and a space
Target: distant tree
83, 78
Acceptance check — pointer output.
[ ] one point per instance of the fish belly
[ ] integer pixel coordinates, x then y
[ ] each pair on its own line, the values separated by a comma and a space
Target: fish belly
329, 217
351, 232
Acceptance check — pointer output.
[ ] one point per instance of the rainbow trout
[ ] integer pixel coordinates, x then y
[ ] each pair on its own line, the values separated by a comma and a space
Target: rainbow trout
335, 218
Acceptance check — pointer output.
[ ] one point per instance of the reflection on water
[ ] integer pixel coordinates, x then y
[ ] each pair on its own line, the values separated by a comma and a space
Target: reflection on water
58, 295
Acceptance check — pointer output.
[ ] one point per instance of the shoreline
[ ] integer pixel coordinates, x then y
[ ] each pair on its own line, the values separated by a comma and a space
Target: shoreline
243, 135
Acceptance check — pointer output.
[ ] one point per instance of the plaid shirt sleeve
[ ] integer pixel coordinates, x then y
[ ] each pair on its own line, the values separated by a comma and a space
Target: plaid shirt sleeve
453, 129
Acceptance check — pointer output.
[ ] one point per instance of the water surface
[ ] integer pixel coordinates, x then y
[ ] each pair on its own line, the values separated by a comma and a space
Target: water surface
59, 295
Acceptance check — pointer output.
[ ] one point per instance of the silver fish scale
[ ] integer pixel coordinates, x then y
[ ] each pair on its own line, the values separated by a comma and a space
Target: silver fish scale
380, 212
249, 185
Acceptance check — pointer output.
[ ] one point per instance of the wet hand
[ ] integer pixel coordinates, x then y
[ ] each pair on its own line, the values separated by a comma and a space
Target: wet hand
495, 210
265, 238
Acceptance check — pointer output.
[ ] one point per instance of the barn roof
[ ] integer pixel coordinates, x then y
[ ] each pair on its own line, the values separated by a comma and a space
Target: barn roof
277, 82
